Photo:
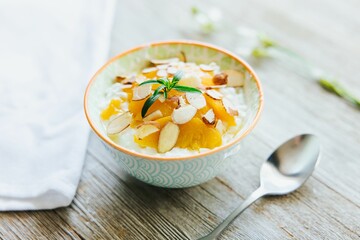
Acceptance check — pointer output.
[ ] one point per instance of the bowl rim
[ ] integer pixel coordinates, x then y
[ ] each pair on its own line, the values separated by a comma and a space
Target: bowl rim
164, 158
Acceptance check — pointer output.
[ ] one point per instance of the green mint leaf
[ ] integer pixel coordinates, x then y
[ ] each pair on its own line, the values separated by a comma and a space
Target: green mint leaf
151, 100
148, 82
162, 81
158, 90
186, 89
177, 76
148, 104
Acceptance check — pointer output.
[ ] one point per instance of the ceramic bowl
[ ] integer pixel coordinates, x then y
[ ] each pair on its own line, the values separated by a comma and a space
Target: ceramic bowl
172, 172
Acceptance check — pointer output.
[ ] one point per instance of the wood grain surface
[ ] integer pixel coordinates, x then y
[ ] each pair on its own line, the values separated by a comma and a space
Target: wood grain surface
109, 204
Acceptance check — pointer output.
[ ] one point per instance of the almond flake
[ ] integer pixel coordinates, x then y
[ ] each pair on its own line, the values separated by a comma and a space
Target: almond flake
209, 117
229, 108
145, 130
181, 101
153, 116
162, 67
129, 80
163, 61
215, 87
235, 78
140, 79
168, 137
120, 78
119, 123
220, 126
214, 94
206, 68
171, 70
183, 114
220, 79
161, 73
149, 70
197, 100
174, 99
183, 56
141, 92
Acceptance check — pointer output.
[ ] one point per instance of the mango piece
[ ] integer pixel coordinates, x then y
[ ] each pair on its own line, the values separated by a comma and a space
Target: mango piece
207, 80
135, 108
195, 134
220, 110
112, 109
152, 139
166, 108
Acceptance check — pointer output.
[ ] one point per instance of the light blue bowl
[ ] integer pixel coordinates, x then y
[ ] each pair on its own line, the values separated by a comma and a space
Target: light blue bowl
172, 172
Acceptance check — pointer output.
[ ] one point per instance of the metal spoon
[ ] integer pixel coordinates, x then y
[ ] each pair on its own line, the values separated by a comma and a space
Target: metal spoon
285, 170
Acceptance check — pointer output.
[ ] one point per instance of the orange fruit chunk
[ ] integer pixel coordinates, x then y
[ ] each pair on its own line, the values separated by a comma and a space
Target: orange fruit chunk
220, 110
207, 80
113, 108
166, 108
153, 139
195, 134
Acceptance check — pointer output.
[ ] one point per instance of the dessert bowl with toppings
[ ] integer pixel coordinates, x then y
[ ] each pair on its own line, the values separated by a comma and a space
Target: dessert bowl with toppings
173, 113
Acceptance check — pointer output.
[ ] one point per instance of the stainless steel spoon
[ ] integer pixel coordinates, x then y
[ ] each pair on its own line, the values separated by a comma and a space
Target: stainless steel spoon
285, 170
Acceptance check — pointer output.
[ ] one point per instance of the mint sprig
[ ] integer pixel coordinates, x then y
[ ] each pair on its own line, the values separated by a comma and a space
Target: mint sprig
166, 85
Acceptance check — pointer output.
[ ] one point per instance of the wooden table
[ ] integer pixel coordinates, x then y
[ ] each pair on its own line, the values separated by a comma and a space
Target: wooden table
109, 204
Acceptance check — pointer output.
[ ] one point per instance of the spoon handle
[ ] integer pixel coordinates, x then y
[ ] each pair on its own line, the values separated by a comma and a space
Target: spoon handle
219, 229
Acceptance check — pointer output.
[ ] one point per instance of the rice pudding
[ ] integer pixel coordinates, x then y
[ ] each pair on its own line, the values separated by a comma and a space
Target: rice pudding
174, 108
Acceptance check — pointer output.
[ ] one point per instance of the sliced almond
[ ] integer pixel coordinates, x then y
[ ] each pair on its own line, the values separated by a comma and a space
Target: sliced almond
214, 94
129, 80
220, 79
141, 92
145, 130
209, 117
119, 123
182, 56
162, 67
206, 68
126, 86
153, 116
230, 109
197, 100
171, 70
163, 61
149, 70
183, 114
191, 80
181, 101
140, 79
155, 123
215, 87
120, 78
235, 78
174, 99
162, 73
220, 126
168, 137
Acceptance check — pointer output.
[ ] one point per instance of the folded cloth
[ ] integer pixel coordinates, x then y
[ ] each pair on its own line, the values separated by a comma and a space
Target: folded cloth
49, 50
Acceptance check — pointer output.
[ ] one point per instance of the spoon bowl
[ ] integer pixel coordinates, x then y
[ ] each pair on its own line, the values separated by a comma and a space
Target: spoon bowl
287, 168
290, 165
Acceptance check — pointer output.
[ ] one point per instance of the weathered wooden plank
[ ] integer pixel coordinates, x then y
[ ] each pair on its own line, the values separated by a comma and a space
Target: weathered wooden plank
111, 205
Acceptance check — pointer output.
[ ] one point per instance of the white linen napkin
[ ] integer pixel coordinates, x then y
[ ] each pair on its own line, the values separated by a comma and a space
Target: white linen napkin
48, 52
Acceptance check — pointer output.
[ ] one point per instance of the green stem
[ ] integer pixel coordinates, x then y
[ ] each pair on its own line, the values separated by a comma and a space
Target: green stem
336, 88
331, 86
